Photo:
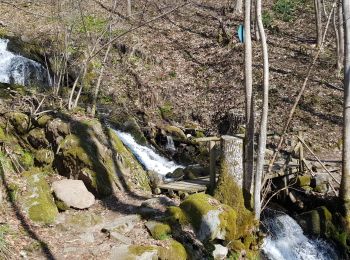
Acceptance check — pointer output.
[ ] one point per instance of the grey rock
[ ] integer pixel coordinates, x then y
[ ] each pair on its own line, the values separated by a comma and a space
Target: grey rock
73, 193
123, 252
87, 237
220, 252
122, 224
121, 238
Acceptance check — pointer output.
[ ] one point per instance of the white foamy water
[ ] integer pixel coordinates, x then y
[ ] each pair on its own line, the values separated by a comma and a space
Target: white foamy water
15, 69
287, 241
148, 156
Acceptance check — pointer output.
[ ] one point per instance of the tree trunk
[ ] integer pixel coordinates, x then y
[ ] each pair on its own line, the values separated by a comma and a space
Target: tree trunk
263, 124
129, 8
341, 34
318, 16
249, 106
345, 181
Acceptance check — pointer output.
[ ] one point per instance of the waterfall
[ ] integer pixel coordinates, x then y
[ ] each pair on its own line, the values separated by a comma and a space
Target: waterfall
287, 241
170, 144
16, 69
147, 156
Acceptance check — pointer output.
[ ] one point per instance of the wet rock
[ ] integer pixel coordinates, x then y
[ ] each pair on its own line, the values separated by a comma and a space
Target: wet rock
73, 193
176, 175
195, 171
220, 252
317, 221
175, 132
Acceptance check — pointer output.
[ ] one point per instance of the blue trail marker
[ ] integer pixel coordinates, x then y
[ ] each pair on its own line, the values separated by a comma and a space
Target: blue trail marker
240, 32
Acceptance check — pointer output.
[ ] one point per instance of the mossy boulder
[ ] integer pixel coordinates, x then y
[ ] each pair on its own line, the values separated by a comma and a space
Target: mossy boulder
36, 137
317, 221
38, 201
174, 250
57, 128
158, 230
131, 126
19, 121
209, 218
26, 159
44, 157
128, 165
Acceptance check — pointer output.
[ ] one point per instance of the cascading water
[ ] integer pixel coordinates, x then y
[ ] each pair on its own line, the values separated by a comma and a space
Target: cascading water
170, 146
16, 69
148, 156
286, 240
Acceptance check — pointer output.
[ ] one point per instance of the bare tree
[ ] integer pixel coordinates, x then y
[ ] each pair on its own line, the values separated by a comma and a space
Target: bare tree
345, 181
341, 35
249, 105
129, 8
318, 16
263, 124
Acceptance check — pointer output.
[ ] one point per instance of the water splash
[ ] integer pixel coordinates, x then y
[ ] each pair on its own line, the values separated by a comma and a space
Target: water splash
16, 69
148, 156
286, 240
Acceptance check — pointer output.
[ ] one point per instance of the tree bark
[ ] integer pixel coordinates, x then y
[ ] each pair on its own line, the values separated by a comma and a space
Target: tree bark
263, 124
341, 34
249, 108
345, 181
318, 16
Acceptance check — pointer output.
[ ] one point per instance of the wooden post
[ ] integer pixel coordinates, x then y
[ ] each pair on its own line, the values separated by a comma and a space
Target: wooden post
212, 165
301, 152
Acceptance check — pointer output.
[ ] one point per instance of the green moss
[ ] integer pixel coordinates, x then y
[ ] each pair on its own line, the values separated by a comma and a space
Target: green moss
199, 134
177, 215
36, 138
161, 231
19, 121
2, 135
43, 120
303, 180
139, 175
195, 207
174, 251
166, 111
228, 219
139, 250
61, 205
38, 201
44, 156
27, 160
175, 132
13, 191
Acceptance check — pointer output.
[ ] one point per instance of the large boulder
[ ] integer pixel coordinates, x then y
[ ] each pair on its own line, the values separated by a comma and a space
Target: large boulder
36, 137
19, 121
38, 201
73, 193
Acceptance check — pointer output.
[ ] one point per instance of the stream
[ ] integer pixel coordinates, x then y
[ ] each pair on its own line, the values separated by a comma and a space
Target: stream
285, 239
16, 69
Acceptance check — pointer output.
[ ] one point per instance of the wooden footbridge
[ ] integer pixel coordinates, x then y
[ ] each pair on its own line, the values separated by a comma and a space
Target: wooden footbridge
287, 168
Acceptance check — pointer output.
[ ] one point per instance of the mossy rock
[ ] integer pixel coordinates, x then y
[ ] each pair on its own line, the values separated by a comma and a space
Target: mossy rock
209, 218
167, 111
57, 128
13, 190
19, 121
27, 160
158, 230
129, 162
174, 250
61, 205
43, 120
175, 132
83, 219
44, 157
317, 221
38, 201
131, 126
36, 137
3, 136
304, 180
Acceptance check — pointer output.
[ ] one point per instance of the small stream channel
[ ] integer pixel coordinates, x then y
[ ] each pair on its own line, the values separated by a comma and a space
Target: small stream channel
285, 239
